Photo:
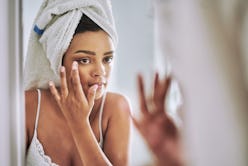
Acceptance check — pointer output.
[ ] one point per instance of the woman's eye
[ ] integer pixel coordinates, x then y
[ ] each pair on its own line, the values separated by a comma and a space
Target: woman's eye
84, 61
108, 59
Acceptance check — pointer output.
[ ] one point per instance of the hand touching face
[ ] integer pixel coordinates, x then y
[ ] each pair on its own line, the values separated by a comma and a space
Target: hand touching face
84, 75
94, 52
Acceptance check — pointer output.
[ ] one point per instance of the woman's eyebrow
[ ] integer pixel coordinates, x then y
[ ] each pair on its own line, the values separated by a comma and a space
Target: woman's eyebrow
93, 53
86, 52
109, 53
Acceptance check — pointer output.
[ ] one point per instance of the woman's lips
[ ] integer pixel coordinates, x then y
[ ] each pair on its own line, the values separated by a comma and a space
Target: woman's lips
99, 84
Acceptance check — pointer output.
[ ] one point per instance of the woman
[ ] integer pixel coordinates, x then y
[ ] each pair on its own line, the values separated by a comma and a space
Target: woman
78, 122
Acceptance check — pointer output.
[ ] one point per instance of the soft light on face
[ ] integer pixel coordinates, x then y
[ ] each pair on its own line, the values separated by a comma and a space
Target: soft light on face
94, 53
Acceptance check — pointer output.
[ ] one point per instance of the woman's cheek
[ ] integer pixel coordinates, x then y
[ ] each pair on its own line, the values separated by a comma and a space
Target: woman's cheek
84, 84
108, 72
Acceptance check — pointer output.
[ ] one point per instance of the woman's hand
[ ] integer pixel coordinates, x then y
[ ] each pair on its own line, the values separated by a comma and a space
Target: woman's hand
157, 128
71, 99
76, 107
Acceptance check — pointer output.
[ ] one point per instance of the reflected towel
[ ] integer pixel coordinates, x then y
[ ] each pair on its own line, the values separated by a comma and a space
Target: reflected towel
53, 31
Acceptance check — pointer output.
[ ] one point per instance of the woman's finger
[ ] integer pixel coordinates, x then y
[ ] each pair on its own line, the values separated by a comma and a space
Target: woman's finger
159, 88
165, 86
54, 91
142, 98
155, 91
91, 95
63, 82
160, 94
77, 87
155, 85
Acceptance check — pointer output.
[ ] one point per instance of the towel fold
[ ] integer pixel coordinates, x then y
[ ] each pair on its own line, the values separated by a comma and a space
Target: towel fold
53, 31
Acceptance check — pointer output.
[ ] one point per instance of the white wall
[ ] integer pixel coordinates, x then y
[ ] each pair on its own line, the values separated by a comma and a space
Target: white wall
135, 53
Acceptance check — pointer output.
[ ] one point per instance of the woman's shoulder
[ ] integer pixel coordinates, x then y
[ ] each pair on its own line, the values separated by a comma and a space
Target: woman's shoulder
31, 103
117, 101
31, 96
31, 99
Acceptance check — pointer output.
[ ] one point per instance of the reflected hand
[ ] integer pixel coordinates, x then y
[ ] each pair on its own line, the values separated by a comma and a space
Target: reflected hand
157, 128
72, 101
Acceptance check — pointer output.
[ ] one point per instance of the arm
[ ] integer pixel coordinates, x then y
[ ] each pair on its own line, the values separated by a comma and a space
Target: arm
156, 127
30, 114
116, 142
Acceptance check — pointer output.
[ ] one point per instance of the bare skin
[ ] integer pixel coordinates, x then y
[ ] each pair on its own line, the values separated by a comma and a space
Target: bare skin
156, 127
69, 115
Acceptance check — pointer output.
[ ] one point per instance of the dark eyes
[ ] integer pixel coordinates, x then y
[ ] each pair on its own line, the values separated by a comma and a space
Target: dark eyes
84, 61
108, 59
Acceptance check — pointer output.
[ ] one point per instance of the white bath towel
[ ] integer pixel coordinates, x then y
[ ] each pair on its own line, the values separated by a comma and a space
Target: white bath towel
53, 31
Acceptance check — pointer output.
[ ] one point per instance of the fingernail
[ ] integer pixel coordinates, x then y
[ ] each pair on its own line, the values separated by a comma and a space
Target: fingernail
62, 69
74, 65
94, 88
50, 83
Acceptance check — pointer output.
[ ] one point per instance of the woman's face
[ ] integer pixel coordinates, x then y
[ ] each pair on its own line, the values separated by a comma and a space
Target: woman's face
94, 53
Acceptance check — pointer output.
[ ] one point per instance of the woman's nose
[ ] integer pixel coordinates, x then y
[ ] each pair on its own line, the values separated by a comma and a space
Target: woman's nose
99, 70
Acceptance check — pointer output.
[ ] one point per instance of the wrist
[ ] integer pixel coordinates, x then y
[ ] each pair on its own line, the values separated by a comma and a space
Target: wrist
80, 125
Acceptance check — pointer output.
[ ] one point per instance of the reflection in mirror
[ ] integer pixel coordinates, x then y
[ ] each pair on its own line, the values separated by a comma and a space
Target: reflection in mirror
133, 55
193, 36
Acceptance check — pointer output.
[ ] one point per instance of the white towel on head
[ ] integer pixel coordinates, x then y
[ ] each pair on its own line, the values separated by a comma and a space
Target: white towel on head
53, 31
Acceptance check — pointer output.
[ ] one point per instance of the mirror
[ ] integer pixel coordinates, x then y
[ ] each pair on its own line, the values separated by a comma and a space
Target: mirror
135, 50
